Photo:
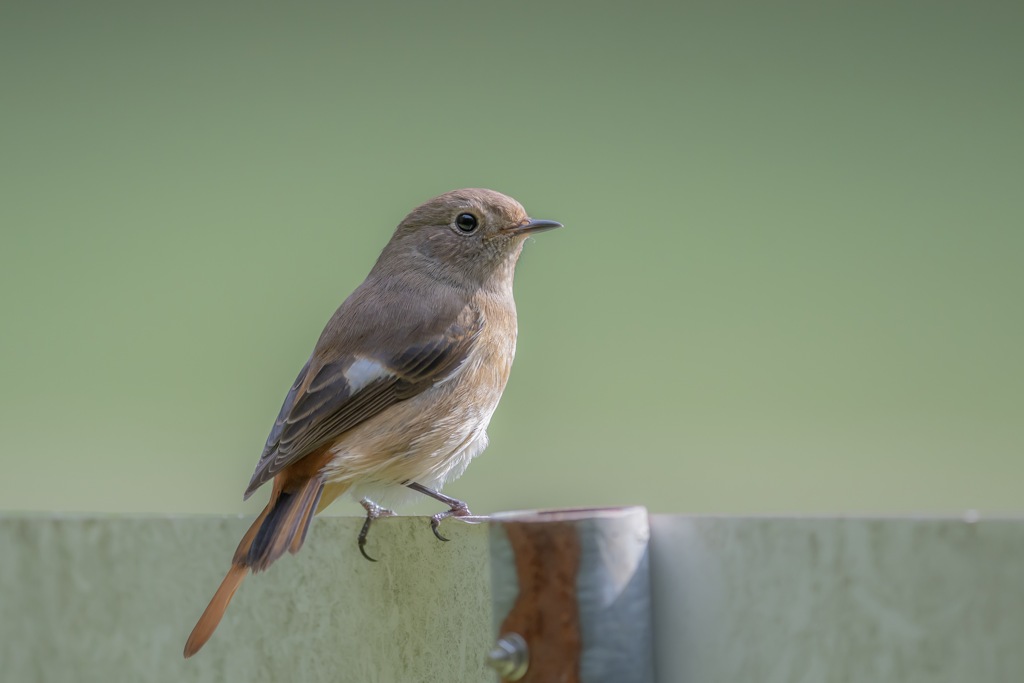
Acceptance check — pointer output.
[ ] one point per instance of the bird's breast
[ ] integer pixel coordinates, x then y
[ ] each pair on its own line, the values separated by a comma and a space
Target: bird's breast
431, 437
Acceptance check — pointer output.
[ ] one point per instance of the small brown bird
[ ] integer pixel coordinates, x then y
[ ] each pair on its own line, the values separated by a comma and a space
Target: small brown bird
397, 394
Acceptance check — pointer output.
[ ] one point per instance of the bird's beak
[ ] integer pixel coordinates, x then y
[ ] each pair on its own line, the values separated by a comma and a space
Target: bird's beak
531, 226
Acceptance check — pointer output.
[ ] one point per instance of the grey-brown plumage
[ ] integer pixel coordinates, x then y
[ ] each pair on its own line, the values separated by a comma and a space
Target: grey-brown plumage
403, 381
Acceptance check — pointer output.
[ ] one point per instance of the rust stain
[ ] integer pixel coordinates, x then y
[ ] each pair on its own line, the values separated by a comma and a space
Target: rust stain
545, 613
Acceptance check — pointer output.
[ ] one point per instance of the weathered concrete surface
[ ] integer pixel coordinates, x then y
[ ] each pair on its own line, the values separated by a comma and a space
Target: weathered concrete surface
743, 600
113, 599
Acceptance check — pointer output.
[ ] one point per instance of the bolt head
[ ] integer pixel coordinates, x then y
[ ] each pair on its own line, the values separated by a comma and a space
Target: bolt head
510, 657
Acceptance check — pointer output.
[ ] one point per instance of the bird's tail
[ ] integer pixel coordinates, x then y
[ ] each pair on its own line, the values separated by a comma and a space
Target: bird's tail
281, 526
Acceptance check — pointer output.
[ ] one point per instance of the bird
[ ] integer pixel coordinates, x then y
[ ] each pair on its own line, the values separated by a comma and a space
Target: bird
396, 397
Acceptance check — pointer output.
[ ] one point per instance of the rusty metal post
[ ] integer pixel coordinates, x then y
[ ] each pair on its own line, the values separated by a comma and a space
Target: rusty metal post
571, 596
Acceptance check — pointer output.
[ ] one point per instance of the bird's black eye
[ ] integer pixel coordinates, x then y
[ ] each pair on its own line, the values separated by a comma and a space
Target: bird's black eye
466, 222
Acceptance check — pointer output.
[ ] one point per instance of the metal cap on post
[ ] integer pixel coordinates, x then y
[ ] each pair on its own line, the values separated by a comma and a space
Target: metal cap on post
571, 596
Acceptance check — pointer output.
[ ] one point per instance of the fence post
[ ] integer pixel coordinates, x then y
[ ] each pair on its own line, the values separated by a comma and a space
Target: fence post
571, 596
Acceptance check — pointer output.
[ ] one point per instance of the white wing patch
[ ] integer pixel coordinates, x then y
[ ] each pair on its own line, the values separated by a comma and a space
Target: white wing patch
362, 372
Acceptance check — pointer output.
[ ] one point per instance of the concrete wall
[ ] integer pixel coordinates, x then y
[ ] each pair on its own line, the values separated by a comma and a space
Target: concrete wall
113, 599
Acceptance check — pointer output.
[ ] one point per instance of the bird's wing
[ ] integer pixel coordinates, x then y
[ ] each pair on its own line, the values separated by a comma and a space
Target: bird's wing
330, 398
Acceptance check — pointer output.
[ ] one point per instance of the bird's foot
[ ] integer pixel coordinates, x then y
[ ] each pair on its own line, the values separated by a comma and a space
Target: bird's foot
456, 508
373, 511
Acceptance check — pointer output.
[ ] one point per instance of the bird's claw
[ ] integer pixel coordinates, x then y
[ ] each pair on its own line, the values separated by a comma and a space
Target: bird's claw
373, 511
458, 509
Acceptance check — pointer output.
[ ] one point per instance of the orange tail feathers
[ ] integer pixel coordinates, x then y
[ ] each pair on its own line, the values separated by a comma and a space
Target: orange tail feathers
215, 610
281, 526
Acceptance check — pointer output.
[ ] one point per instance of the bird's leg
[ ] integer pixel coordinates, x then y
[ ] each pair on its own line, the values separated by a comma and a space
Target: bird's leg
373, 511
456, 508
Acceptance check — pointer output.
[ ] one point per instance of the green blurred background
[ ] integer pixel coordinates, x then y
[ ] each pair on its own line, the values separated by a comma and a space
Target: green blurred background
791, 278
